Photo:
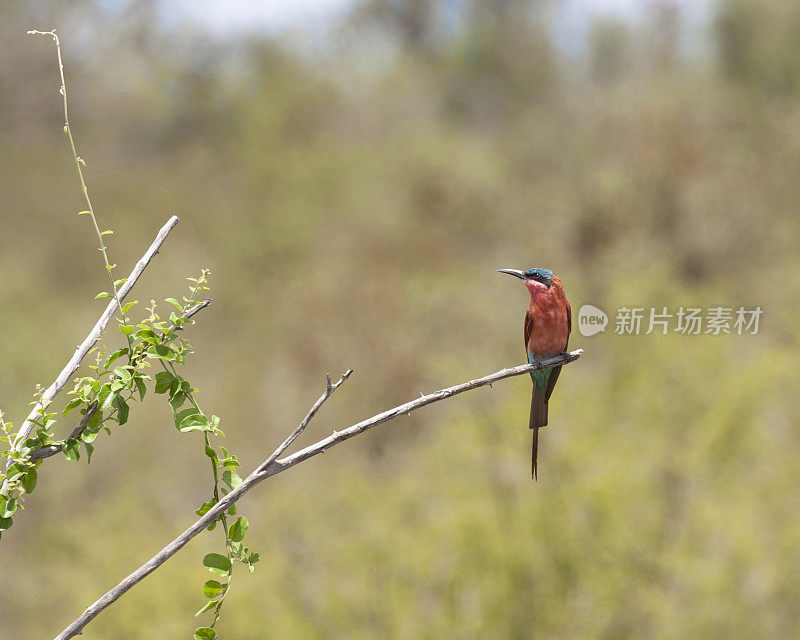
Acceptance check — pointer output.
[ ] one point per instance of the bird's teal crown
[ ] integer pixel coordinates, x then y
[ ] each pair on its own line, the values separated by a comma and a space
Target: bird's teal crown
544, 276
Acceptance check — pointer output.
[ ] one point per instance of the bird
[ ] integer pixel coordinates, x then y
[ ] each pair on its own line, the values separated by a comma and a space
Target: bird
548, 323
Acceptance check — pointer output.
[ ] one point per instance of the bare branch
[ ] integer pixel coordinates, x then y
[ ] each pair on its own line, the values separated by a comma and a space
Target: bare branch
328, 393
336, 437
272, 466
94, 335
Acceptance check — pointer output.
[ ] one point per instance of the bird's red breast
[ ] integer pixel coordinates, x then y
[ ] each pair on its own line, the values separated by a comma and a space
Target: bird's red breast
549, 319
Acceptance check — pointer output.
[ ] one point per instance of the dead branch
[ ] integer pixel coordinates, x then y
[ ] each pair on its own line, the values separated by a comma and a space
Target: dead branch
94, 335
273, 466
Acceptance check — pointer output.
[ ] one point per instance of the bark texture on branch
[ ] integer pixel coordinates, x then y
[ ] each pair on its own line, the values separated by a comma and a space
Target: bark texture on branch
267, 470
273, 466
94, 335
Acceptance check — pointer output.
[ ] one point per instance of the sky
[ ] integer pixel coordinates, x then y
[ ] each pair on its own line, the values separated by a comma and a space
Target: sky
231, 17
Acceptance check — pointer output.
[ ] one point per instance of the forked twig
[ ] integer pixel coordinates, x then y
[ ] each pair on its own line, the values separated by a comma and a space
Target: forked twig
94, 335
331, 387
272, 466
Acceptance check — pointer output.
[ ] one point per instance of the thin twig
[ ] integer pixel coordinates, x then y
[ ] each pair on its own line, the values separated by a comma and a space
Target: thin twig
78, 162
336, 437
267, 469
293, 436
52, 449
94, 335
189, 313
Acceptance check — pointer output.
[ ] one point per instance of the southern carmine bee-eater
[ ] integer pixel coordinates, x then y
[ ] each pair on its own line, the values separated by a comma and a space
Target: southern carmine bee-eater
547, 326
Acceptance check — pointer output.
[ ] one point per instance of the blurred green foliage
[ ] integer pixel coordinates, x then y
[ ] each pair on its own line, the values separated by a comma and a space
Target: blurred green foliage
353, 199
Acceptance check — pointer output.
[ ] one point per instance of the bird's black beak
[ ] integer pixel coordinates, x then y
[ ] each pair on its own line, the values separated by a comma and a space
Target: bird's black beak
513, 272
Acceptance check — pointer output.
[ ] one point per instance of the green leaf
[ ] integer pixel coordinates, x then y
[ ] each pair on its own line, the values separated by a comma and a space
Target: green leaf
102, 294
140, 386
182, 415
117, 385
75, 402
8, 508
114, 356
70, 449
128, 306
14, 472
89, 452
29, 481
5, 523
122, 410
126, 329
95, 421
208, 605
176, 401
194, 421
238, 529
231, 478
107, 232
147, 335
105, 397
205, 507
89, 435
204, 633
163, 381
217, 563
212, 588
123, 374
175, 303
162, 352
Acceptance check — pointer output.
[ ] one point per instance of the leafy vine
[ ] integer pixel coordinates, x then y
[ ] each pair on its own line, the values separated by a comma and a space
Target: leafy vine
104, 398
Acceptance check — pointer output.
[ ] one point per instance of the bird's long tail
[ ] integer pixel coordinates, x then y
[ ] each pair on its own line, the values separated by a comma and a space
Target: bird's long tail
537, 419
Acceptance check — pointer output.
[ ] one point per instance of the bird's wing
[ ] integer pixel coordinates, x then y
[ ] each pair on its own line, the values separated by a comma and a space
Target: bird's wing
551, 382
556, 371
528, 328
569, 324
